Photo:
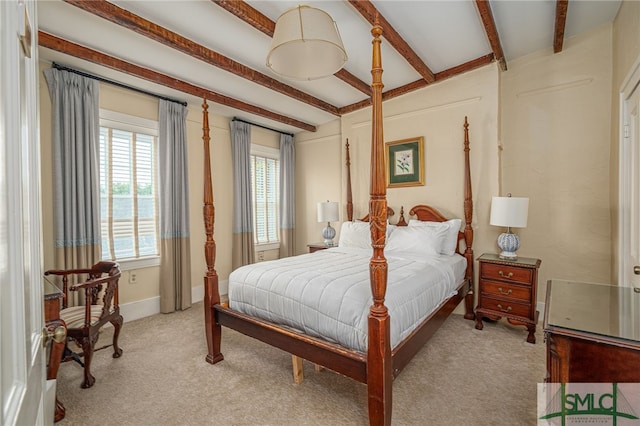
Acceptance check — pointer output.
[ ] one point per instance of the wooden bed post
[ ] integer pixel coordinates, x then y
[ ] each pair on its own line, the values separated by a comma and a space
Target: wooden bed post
468, 230
211, 292
349, 194
379, 364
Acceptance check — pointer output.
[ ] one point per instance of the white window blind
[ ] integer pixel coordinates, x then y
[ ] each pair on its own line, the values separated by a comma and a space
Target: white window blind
265, 177
128, 191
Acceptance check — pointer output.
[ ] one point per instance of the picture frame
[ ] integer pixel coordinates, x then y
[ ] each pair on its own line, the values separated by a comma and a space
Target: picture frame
404, 162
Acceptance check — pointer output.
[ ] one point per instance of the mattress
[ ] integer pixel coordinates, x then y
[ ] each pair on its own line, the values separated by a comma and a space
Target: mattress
327, 294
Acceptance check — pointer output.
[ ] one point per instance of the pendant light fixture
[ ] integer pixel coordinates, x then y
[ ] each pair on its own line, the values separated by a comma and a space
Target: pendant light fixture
306, 45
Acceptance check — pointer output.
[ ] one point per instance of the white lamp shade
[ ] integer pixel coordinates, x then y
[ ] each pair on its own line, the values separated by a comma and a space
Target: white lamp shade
328, 211
306, 45
509, 211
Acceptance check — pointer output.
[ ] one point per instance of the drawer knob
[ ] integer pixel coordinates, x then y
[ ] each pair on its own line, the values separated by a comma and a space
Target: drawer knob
502, 274
503, 309
508, 292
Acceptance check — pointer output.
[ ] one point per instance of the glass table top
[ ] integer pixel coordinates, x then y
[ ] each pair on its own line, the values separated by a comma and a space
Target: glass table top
608, 310
50, 289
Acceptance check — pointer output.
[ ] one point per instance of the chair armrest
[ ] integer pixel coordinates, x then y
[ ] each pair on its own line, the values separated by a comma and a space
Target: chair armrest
94, 282
68, 271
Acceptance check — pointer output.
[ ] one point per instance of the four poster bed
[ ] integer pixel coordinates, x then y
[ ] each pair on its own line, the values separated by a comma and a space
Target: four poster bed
382, 344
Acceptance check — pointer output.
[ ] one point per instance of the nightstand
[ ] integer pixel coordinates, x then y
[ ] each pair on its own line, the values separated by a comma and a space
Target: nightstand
318, 246
507, 288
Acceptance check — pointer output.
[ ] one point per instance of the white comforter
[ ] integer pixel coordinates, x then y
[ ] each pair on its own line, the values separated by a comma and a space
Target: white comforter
327, 293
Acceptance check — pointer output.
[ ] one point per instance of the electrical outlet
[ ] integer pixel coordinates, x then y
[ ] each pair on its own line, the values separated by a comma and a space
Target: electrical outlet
133, 277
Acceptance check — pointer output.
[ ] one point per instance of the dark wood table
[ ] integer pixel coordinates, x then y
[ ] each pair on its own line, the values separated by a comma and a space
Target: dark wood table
592, 333
52, 303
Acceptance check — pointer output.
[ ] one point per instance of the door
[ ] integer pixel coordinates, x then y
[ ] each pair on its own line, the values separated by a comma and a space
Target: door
629, 269
22, 358
629, 236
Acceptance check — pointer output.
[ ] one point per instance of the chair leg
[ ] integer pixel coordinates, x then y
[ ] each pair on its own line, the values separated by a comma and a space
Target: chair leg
88, 344
69, 355
117, 324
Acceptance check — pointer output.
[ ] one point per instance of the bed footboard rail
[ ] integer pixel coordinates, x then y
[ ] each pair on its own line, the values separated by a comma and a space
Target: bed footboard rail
334, 357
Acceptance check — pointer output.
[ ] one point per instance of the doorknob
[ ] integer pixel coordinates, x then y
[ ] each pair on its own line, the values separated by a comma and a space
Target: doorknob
636, 269
57, 335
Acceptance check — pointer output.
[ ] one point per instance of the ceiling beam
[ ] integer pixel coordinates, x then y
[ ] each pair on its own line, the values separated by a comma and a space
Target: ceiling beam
419, 84
467, 66
263, 23
484, 10
561, 20
248, 14
124, 18
55, 43
371, 14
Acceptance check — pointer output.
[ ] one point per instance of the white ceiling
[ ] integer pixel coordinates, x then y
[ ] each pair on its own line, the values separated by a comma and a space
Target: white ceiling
444, 34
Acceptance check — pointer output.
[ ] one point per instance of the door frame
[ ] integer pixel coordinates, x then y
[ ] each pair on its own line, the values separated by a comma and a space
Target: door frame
629, 85
22, 357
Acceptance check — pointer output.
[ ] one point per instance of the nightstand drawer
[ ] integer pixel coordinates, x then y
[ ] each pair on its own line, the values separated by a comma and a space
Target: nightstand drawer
506, 307
498, 289
505, 272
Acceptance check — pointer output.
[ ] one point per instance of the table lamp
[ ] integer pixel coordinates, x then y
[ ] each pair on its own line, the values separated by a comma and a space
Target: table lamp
328, 212
511, 212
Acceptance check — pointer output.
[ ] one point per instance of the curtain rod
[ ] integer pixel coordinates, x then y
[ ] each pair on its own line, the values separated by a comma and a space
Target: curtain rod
115, 83
260, 125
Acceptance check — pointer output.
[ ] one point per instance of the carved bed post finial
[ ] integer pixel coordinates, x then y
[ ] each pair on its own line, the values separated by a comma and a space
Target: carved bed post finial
468, 230
349, 194
211, 292
401, 221
379, 365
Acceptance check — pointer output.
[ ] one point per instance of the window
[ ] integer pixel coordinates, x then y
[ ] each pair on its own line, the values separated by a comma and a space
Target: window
128, 187
265, 178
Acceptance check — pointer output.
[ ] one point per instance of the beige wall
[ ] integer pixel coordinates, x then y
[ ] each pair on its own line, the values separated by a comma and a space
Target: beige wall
555, 150
540, 129
319, 171
626, 53
437, 113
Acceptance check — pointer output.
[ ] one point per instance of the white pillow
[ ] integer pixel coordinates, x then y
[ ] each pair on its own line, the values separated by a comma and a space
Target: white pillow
390, 228
450, 242
355, 234
422, 240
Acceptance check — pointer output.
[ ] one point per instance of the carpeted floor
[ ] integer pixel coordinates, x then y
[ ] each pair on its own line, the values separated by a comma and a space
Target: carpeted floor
461, 377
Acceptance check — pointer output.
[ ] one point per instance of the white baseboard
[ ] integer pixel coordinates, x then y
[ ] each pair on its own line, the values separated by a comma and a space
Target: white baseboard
144, 308
49, 396
197, 294
140, 308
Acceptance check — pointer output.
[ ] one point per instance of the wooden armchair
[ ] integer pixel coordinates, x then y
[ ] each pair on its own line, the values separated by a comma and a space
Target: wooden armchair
101, 306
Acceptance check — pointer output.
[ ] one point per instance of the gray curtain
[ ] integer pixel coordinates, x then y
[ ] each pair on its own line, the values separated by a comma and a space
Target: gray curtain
175, 257
76, 173
287, 195
242, 244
